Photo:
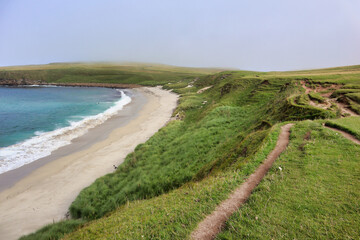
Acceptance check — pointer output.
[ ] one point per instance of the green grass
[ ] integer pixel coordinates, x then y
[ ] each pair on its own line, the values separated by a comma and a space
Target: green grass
340, 92
144, 74
354, 106
298, 109
303, 99
174, 215
175, 154
348, 124
354, 96
350, 97
349, 75
316, 97
168, 184
315, 196
55, 231
352, 86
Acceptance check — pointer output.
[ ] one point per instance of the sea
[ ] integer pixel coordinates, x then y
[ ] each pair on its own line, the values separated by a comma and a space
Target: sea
36, 120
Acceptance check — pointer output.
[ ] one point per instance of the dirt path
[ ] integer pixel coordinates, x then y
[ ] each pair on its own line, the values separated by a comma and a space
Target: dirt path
307, 89
204, 89
324, 105
345, 134
345, 110
320, 89
212, 224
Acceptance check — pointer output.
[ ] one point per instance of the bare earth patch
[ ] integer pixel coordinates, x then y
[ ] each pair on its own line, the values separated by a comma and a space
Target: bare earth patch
324, 105
212, 224
320, 89
307, 89
203, 89
343, 108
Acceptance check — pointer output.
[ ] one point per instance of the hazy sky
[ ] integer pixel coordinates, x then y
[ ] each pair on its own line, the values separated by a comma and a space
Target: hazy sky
244, 34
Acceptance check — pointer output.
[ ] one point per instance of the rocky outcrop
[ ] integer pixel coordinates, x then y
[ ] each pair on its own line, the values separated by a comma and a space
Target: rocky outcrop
13, 82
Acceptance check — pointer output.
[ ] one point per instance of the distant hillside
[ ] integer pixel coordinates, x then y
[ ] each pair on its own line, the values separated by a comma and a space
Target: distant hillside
128, 73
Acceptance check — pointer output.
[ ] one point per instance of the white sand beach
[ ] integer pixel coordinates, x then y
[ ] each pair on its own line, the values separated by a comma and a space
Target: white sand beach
45, 194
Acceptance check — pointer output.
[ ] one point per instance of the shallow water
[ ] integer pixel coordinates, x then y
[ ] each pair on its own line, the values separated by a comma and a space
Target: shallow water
34, 121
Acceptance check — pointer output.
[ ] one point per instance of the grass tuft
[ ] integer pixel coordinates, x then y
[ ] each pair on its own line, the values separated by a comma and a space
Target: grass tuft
55, 231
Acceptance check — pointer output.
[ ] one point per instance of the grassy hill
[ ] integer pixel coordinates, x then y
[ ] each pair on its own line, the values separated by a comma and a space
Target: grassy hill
171, 182
128, 73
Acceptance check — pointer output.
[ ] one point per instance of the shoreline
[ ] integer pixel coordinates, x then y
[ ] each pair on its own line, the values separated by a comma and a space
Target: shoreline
45, 194
94, 135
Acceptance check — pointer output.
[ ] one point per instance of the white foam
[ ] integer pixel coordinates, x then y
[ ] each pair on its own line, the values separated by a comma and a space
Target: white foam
44, 143
38, 133
49, 85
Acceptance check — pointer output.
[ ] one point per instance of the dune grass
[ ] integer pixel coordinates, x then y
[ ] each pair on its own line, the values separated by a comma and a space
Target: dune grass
159, 166
178, 152
343, 91
174, 215
55, 231
316, 97
354, 96
314, 196
175, 154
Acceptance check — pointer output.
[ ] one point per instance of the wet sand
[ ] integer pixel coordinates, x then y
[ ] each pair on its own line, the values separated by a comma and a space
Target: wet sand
101, 132
41, 192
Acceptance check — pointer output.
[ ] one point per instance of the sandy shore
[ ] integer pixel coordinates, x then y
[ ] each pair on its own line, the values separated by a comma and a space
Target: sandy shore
46, 192
101, 132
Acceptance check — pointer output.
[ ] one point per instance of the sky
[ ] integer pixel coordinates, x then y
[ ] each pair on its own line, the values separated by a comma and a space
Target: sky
259, 35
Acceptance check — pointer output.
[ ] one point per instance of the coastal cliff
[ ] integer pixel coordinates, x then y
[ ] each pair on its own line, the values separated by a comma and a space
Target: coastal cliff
17, 82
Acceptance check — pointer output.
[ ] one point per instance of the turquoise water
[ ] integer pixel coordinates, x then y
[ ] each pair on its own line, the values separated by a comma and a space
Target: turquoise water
27, 111
34, 121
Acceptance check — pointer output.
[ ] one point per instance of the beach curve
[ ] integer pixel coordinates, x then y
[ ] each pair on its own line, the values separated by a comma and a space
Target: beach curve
46, 193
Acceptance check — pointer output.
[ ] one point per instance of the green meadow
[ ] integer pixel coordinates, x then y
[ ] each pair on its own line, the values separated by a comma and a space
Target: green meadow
170, 183
314, 195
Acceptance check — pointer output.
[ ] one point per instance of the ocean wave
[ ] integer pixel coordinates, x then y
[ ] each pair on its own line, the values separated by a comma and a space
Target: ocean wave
44, 143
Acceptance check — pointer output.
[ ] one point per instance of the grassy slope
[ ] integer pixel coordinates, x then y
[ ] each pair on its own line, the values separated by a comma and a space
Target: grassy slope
209, 136
210, 151
349, 124
176, 214
340, 75
315, 196
180, 150
144, 74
